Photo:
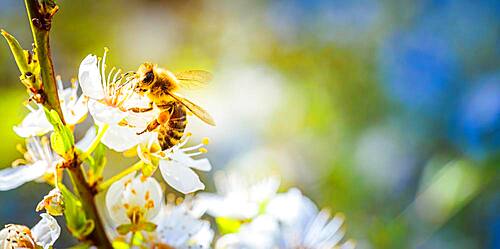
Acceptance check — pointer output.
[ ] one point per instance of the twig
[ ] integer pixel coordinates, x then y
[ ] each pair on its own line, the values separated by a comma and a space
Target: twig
40, 13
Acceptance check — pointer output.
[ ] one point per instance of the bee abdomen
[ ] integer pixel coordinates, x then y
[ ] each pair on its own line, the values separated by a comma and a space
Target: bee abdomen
171, 132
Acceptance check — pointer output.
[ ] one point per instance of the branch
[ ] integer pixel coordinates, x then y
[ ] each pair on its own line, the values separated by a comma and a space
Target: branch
40, 13
98, 236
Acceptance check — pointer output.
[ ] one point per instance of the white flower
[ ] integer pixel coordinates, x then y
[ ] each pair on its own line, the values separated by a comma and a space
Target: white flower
291, 207
134, 199
258, 234
238, 198
74, 109
34, 124
291, 220
180, 228
43, 234
176, 164
302, 226
46, 231
53, 203
107, 95
39, 160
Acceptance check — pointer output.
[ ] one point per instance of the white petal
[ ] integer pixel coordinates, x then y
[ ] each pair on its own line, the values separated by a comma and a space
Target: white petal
140, 191
85, 142
104, 113
140, 120
46, 231
75, 113
34, 124
292, 207
233, 206
121, 138
136, 100
133, 192
264, 189
178, 229
12, 178
348, 245
180, 177
90, 78
204, 237
183, 158
114, 200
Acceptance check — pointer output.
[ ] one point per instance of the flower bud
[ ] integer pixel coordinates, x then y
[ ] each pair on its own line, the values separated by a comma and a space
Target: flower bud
53, 203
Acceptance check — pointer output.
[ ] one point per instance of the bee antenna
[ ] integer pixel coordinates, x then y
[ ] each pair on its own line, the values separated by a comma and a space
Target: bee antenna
129, 73
127, 81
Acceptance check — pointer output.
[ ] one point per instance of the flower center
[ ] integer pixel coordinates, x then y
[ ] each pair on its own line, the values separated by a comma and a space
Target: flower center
18, 237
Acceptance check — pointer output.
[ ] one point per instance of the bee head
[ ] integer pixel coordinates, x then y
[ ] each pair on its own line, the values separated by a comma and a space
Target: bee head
146, 75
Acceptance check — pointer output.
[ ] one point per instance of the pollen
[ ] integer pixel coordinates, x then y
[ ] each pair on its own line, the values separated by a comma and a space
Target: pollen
147, 195
205, 141
133, 191
203, 150
149, 204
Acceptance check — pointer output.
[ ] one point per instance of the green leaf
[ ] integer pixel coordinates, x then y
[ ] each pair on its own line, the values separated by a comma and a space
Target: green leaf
124, 229
26, 62
147, 226
99, 156
86, 229
62, 139
57, 143
20, 55
76, 219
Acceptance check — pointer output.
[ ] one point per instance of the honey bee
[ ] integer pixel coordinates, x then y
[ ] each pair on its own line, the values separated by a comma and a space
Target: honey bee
160, 86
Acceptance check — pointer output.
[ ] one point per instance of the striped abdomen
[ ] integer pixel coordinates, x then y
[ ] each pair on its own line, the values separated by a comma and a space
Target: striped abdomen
171, 132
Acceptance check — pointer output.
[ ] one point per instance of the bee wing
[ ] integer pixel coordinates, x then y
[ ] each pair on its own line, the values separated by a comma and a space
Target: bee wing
193, 79
195, 109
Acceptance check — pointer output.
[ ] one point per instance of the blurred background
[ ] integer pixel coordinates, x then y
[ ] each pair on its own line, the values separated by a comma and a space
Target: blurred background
387, 111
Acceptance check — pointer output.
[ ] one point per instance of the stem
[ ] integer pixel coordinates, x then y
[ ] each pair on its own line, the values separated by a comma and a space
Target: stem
40, 15
105, 185
98, 236
95, 142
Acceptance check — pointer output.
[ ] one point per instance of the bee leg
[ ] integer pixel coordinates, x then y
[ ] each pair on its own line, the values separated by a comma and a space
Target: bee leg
139, 109
163, 117
151, 127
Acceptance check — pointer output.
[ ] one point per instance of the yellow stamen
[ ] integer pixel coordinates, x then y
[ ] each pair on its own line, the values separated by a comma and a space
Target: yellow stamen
205, 141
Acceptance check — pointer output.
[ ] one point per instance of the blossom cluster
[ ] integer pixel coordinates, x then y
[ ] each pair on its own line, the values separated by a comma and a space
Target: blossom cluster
139, 214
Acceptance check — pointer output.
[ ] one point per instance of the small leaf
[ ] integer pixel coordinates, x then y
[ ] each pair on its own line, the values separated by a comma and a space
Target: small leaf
124, 229
57, 143
99, 156
74, 214
62, 139
147, 226
86, 229
18, 52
